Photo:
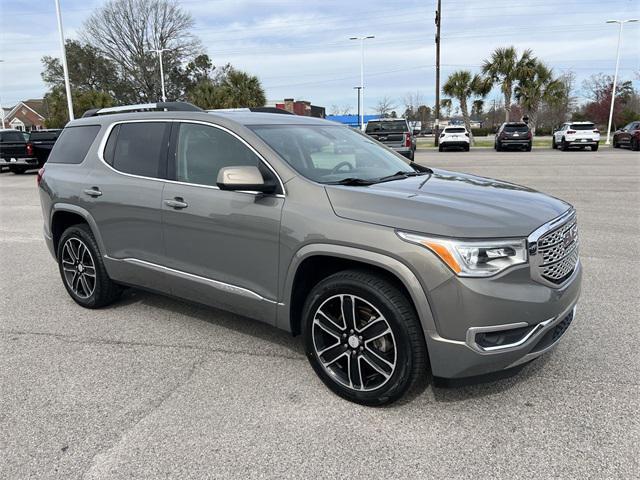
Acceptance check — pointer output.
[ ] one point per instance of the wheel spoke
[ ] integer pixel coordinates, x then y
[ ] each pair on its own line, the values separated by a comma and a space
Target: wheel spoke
327, 328
355, 372
70, 252
332, 355
348, 308
375, 357
85, 285
89, 270
378, 366
379, 334
374, 328
330, 319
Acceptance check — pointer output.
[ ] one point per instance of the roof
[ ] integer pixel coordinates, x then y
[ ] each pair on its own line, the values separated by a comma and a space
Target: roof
240, 118
37, 105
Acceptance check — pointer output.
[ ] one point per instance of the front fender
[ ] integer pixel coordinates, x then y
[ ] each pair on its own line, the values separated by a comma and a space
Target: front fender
392, 265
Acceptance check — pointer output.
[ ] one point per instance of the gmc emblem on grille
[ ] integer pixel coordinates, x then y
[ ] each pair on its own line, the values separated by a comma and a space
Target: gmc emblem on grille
569, 237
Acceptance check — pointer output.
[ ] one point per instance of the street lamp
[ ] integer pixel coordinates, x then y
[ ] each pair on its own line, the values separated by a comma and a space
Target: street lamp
615, 77
362, 39
159, 52
65, 70
358, 89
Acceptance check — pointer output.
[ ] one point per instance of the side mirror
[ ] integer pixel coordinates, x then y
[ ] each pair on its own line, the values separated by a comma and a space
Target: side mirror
245, 179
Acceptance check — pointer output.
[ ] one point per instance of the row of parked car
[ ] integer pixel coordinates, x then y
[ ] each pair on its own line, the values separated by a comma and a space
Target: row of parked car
22, 151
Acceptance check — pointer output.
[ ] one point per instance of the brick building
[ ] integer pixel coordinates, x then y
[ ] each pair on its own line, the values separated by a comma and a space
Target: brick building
27, 115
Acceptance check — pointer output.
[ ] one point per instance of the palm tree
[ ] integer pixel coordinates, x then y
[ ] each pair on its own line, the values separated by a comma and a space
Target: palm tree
445, 104
505, 68
463, 86
243, 90
537, 86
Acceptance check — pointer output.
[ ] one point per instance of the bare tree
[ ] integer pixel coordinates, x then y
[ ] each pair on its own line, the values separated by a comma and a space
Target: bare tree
126, 31
336, 109
411, 103
384, 107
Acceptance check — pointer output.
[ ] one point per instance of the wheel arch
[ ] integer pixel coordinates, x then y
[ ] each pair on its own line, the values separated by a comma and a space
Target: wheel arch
314, 262
64, 215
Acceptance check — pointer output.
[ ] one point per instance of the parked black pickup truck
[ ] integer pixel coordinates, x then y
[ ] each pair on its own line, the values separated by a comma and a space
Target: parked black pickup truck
395, 134
16, 153
42, 142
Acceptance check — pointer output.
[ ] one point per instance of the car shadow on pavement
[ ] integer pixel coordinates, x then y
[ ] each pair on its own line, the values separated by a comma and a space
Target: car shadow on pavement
213, 316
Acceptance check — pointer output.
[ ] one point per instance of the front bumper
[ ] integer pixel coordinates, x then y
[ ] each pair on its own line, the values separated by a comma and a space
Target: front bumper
464, 308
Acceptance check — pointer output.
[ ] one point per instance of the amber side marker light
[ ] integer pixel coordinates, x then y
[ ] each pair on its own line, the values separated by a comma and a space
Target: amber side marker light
444, 254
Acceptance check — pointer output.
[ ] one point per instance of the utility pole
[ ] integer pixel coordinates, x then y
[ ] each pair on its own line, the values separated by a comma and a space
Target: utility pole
159, 52
615, 77
65, 69
2, 109
436, 130
361, 96
358, 89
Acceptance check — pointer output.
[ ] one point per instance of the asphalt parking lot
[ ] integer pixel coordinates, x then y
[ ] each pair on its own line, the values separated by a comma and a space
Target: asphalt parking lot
156, 388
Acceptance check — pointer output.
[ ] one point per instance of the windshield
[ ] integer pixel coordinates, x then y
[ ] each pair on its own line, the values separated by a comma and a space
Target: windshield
387, 126
329, 154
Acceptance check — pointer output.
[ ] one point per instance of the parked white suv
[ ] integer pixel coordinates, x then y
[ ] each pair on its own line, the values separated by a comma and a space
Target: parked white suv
454, 137
576, 134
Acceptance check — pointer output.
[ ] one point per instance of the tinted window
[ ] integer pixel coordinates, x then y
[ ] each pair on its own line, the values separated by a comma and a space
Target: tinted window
73, 144
331, 153
521, 127
139, 148
388, 126
203, 150
455, 130
11, 137
43, 136
582, 126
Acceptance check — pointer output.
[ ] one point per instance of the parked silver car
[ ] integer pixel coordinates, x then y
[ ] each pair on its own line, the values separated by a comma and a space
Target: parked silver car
383, 265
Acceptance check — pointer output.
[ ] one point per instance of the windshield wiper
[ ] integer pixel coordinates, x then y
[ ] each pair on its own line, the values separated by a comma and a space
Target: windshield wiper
401, 175
353, 181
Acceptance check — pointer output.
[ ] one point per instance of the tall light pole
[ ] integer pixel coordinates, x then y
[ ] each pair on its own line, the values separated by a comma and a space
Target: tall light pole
65, 69
358, 89
615, 77
2, 109
159, 52
362, 39
436, 126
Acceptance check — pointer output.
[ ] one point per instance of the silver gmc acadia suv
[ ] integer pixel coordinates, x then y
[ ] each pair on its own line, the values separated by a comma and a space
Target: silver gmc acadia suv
387, 268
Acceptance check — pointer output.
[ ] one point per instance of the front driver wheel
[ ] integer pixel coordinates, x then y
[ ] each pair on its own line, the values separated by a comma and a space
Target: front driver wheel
82, 270
363, 338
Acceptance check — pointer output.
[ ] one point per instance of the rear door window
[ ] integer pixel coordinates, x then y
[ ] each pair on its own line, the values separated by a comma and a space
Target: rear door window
139, 148
387, 126
73, 144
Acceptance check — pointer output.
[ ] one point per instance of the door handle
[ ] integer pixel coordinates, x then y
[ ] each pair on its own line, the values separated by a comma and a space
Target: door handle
93, 192
177, 203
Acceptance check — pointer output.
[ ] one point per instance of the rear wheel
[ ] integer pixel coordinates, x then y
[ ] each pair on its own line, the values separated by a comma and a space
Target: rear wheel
363, 338
527, 148
554, 145
635, 144
18, 170
82, 269
594, 148
564, 146
440, 148
466, 147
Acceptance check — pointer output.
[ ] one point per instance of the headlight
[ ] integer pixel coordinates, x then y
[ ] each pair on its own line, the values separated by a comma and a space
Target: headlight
473, 258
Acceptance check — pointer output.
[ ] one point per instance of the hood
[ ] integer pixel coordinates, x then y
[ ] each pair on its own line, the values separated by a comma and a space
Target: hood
449, 204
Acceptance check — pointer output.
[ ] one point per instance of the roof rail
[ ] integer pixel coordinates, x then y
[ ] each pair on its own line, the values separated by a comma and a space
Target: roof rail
143, 107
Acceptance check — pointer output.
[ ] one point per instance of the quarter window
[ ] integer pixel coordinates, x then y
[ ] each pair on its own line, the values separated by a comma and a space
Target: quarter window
73, 144
203, 150
139, 148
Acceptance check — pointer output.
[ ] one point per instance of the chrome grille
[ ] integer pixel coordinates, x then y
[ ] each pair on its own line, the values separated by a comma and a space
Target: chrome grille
558, 252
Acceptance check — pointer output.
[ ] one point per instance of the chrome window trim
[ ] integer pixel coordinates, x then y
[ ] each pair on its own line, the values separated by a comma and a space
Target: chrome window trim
217, 284
105, 139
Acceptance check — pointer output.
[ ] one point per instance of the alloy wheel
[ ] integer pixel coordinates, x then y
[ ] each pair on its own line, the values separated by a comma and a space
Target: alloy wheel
78, 268
354, 342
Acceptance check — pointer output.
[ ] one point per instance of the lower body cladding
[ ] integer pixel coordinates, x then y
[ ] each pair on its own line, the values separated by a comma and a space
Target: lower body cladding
455, 144
492, 324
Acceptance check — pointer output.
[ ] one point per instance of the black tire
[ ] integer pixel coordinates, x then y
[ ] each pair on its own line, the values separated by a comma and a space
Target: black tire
615, 144
528, 148
635, 144
466, 148
440, 148
554, 145
594, 148
498, 147
18, 170
105, 291
412, 155
397, 313
564, 146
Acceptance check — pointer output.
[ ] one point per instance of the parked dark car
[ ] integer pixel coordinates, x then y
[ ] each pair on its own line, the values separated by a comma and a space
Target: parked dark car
628, 136
42, 142
16, 153
513, 134
394, 133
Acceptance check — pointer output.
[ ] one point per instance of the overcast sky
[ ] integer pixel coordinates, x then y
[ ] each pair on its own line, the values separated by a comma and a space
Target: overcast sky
300, 48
